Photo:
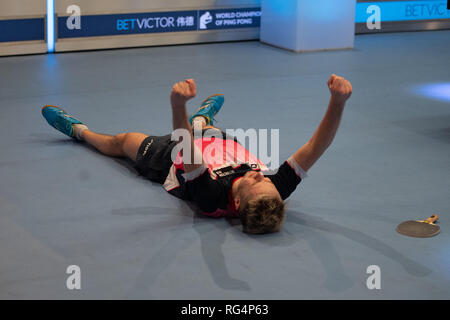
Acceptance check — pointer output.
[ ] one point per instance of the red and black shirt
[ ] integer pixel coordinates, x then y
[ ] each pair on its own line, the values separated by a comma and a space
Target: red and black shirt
225, 160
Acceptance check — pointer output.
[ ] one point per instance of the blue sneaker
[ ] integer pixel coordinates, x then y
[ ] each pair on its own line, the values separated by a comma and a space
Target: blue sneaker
209, 108
60, 120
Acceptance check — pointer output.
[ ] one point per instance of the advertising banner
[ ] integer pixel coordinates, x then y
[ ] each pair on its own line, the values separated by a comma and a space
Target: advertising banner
158, 22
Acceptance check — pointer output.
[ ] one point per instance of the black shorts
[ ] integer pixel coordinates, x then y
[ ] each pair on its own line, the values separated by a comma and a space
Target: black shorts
153, 160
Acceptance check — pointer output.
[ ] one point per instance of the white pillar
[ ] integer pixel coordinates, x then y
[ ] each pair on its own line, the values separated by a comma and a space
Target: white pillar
308, 25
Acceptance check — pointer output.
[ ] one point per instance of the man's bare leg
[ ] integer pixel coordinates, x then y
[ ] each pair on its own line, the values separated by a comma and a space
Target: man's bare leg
120, 145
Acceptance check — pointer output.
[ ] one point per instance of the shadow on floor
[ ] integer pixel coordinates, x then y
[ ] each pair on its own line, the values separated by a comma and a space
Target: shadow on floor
212, 236
324, 249
436, 128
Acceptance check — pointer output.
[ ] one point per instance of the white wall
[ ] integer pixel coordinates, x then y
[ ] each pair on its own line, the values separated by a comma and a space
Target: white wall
22, 9
306, 25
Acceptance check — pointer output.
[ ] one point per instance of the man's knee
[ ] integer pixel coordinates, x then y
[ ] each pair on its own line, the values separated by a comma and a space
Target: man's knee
129, 143
119, 141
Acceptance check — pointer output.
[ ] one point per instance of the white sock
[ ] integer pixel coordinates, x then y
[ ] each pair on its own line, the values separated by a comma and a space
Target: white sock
78, 130
198, 122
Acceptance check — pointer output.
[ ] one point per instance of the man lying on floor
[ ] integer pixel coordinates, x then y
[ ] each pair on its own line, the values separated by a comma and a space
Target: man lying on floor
228, 183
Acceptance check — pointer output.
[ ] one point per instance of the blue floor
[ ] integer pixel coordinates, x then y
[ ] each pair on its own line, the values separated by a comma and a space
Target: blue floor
62, 203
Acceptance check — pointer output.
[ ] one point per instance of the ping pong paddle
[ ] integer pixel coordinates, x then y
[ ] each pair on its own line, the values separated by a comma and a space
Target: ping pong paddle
420, 228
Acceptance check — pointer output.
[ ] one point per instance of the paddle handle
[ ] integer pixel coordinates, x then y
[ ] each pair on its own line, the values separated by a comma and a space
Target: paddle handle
432, 219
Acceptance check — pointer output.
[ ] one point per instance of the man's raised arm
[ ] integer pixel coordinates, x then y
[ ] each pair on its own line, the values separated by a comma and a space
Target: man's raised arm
181, 93
308, 154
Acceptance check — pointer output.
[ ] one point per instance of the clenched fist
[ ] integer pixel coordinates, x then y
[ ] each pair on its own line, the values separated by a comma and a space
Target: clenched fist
182, 92
340, 89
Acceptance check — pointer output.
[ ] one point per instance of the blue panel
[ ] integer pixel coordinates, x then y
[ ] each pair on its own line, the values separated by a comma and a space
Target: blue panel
405, 10
22, 30
132, 23
157, 22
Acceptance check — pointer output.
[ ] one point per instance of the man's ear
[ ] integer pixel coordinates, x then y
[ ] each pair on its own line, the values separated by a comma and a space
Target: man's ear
236, 202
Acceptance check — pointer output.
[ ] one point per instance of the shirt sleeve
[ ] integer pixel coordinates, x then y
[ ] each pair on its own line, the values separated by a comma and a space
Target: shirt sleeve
203, 190
287, 178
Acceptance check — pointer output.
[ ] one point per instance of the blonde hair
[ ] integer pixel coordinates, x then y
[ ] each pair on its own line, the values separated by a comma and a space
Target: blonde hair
264, 214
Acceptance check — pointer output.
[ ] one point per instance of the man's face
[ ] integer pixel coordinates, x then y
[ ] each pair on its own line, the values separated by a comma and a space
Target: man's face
253, 184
